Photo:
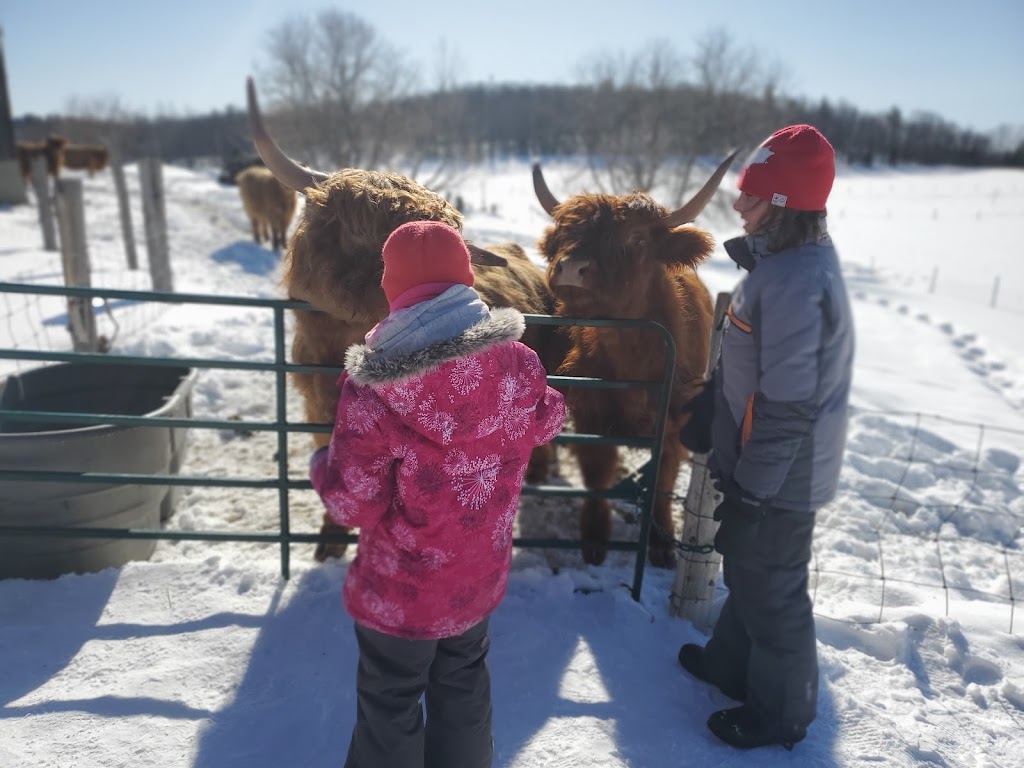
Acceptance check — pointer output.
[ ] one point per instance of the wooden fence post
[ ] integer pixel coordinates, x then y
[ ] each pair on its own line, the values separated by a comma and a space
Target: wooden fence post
75, 258
694, 585
123, 204
155, 220
41, 185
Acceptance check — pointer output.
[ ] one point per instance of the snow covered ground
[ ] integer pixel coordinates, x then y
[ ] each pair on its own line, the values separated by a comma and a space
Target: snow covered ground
205, 657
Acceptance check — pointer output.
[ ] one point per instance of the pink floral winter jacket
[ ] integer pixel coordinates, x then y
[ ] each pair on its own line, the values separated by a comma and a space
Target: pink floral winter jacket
427, 459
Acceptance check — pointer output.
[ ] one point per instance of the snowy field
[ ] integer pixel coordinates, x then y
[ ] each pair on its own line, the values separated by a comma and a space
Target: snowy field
204, 657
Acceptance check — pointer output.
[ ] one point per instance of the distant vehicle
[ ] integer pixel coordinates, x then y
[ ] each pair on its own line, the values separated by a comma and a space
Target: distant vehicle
235, 165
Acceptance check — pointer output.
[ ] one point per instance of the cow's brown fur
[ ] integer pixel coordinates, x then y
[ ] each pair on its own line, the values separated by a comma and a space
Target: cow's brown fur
52, 148
333, 261
268, 203
634, 266
86, 157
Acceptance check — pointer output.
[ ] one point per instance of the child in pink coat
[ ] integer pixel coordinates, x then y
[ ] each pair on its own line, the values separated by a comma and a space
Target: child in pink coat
438, 414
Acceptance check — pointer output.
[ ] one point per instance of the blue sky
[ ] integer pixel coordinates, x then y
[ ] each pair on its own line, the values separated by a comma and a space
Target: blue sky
963, 61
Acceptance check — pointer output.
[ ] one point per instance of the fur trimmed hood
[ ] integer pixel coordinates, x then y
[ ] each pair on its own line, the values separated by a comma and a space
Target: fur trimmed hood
368, 368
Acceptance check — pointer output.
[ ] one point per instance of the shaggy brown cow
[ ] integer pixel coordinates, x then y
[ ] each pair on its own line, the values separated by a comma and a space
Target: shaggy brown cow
628, 257
53, 149
268, 203
333, 261
86, 157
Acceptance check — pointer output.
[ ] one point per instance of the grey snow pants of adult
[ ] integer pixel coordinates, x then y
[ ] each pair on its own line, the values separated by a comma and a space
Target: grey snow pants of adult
450, 674
764, 638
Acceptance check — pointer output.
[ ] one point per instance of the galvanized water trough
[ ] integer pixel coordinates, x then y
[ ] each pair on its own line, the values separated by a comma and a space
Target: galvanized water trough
126, 390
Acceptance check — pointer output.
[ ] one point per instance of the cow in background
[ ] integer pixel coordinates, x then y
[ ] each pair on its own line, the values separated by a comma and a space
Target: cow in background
86, 157
333, 261
268, 203
52, 148
628, 257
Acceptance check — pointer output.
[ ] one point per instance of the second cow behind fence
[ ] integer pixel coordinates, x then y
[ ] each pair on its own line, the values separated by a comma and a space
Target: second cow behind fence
334, 262
627, 257
268, 203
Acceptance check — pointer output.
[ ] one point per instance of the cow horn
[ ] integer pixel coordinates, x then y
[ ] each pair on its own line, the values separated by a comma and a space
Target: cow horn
692, 209
285, 170
483, 257
547, 201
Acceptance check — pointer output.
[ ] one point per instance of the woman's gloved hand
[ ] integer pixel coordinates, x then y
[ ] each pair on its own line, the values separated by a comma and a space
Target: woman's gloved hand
740, 515
696, 432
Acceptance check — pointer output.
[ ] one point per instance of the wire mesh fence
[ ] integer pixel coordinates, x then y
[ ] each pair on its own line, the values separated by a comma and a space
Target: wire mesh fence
33, 322
922, 524
40, 322
928, 504
282, 483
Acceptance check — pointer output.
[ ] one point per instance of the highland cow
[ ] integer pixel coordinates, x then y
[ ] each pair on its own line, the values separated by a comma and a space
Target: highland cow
268, 203
628, 257
86, 157
52, 148
333, 262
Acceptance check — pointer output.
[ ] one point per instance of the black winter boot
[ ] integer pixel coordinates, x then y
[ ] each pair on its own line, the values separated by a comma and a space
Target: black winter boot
742, 727
692, 657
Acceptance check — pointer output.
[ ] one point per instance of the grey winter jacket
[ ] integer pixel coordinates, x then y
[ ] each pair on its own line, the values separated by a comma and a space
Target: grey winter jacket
783, 376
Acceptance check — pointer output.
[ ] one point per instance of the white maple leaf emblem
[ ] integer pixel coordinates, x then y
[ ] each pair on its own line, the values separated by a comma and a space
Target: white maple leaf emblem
761, 155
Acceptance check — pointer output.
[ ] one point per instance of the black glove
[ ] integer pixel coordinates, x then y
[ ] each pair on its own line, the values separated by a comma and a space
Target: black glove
740, 514
696, 432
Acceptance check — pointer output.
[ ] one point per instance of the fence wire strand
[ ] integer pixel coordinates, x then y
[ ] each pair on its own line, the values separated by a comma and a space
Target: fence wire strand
898, 507
902, 503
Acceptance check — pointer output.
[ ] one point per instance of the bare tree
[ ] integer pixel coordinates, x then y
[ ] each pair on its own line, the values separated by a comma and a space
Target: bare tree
335, 85
626, 122
653, 115
447, 63
734, 103
100, 118
431, 141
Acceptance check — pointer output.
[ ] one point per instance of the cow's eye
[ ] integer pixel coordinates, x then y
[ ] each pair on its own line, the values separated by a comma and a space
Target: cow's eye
636, 240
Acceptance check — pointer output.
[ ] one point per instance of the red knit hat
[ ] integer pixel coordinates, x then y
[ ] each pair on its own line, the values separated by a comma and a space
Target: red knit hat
421, 252
793, 168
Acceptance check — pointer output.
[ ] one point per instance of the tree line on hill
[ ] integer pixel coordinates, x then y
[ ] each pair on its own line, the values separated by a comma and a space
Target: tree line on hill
641, 119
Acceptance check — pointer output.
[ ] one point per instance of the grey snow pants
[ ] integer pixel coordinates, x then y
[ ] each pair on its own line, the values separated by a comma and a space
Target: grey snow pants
450, 674
764, 638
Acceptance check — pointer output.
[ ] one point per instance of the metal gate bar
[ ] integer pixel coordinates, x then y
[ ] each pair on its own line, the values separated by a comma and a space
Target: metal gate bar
644, 497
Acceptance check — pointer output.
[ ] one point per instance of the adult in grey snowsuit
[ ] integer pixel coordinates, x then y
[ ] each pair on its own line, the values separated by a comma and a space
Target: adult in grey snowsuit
774, 416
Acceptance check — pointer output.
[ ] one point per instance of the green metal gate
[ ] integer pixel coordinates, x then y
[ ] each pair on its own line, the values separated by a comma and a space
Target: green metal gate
638, 488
